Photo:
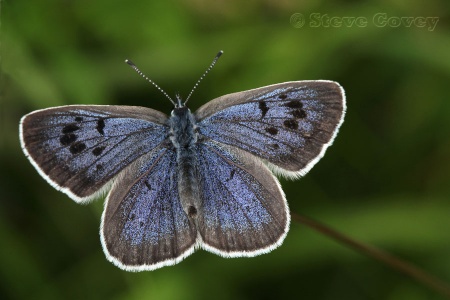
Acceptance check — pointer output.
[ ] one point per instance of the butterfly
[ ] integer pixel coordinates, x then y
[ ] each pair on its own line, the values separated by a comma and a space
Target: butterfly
189, 180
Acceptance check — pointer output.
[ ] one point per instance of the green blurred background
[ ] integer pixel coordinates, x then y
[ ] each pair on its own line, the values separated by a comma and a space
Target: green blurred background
385, 181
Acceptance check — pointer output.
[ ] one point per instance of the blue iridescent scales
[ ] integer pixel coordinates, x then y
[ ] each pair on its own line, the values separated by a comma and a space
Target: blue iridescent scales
287, 124
235, 144
270, 123
94, 139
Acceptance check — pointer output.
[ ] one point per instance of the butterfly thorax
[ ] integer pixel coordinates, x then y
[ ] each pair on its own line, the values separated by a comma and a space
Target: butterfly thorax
183, 136
182, 125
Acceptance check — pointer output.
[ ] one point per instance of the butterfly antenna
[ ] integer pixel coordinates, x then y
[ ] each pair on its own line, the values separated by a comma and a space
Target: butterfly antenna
129, 62
204, 74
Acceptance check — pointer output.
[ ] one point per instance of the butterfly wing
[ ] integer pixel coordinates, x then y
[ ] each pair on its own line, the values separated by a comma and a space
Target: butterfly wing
79, 149
244, 211
143, 225
289, 125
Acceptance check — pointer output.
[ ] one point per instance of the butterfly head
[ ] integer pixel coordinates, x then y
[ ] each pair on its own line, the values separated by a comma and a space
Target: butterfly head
179, 103
180, 110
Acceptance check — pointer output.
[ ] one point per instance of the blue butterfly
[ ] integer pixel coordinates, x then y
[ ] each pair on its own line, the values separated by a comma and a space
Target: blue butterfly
191, 180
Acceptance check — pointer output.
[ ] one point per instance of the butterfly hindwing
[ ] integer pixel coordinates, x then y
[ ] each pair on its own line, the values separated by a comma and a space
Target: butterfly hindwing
289, 125
79, 149
143, 225
244, 212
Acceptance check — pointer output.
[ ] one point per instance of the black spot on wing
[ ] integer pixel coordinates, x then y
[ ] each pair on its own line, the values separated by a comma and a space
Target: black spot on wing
233, 171
70, 128
148, 185
68, 139
282, 96
101, 126
294, 104
275, 146
291, 124
78, 119
299, 114
263, 107
192, 211
272, 130
77, 147
97, 151
99, 167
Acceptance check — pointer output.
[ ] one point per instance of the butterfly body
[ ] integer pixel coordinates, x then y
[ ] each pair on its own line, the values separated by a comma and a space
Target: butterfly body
189, 180
183, 136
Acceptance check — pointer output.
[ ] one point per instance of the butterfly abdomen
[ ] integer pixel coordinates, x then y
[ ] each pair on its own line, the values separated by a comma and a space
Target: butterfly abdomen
184, 138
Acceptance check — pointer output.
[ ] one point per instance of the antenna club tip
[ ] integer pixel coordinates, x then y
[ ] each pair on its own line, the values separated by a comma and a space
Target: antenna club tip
129, 62
220, 53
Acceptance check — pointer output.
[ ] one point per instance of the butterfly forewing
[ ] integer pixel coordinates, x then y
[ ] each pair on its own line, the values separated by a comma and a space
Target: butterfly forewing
144, 226
289, 124
244, 212
79, 149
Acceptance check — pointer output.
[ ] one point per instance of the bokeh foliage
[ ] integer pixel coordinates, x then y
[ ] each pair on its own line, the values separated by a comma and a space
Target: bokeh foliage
385, 181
